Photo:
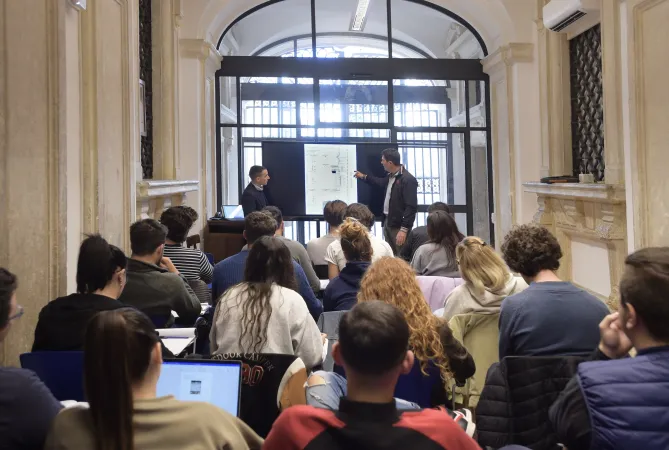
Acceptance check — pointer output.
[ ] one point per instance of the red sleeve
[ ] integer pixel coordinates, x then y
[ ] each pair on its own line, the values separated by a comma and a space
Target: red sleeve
299, 425
440, 427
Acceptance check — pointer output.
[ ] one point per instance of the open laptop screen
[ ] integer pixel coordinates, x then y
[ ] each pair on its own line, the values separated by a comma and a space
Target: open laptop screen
233, 212
215, 382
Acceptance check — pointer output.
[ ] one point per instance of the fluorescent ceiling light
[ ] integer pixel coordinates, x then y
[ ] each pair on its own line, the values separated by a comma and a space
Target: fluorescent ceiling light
358, 22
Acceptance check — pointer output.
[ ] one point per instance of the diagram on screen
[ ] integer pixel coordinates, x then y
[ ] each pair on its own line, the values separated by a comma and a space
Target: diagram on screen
329, 175
195, 387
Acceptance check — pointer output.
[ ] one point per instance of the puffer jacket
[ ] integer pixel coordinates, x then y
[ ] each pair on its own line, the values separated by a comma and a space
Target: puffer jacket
513, 408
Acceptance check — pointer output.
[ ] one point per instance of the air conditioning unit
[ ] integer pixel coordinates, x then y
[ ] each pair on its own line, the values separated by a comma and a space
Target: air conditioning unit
571, 16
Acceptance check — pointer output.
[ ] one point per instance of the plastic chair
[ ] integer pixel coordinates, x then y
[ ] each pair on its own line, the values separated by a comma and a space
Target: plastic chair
210, 257
61, 372
321, 271
328, 323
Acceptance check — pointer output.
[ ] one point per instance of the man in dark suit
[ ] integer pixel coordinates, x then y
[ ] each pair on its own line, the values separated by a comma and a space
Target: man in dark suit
401, 198
253, 198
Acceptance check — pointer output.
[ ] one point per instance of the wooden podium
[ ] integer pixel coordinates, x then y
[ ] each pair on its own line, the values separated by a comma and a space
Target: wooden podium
223, 238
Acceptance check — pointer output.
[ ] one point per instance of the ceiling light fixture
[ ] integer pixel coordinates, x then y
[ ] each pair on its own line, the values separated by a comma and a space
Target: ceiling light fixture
360, 17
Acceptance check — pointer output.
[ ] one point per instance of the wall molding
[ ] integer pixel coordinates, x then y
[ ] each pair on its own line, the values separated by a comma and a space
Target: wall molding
154, 196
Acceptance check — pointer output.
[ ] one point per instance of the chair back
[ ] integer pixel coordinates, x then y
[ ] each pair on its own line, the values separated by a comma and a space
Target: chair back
328, 323
321, 271
193, 241
270, 383
61, 372
436, 289
479, 334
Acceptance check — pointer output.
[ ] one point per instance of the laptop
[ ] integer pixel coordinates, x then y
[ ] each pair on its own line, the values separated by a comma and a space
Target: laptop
215, 382
233, 212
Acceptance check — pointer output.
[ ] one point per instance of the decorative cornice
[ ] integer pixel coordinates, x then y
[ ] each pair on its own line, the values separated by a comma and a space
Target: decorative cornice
199, 48
507, 56
586, 191
164, 188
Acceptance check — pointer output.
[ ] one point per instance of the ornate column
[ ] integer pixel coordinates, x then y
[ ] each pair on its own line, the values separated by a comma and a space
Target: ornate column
500, 66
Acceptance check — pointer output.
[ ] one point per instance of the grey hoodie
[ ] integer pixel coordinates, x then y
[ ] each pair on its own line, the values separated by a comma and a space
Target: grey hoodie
463, 299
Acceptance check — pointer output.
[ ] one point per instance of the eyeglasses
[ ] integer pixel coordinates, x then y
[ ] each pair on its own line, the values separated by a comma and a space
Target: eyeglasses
18, 314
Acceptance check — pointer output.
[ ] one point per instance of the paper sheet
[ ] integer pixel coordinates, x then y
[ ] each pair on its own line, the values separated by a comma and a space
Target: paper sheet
325, 349
177, 344
176, 332
329, 172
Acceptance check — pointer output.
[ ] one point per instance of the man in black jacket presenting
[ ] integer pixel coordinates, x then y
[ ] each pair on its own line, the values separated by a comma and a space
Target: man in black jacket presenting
401, 199
253, 197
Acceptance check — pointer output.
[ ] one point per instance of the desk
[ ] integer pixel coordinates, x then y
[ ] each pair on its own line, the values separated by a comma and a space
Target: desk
223, 238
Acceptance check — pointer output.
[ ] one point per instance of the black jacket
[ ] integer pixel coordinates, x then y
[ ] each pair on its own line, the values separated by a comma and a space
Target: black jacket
514, 404
403, 198
417, 237
569, 414
62, 322
253, 199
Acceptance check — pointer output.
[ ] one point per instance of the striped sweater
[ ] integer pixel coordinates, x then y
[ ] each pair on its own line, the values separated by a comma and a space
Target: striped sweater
191, 263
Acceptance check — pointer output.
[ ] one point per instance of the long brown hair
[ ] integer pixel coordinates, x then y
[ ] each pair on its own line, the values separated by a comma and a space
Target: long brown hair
355, 241
269, 262
393, 281
443, 231
117, 354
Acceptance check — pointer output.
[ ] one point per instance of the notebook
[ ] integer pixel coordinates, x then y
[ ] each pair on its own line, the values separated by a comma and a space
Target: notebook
215, 382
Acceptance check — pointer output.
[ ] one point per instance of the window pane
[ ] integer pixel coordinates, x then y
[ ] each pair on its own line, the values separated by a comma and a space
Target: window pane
274, 101
438, 35
480, 192
477, 104
355, 18
228, 106
353, 101
269, 30
429, 103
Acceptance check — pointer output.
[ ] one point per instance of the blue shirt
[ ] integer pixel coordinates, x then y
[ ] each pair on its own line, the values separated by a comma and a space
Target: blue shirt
230, 272
550, 319
27, 409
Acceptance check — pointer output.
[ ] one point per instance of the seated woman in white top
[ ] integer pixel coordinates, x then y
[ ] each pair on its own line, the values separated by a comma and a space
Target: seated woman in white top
436, 258
122, 364
335, 255
488, 280
264, 314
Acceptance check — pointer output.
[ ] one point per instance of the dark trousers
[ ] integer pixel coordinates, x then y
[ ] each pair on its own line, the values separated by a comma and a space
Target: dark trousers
390, 235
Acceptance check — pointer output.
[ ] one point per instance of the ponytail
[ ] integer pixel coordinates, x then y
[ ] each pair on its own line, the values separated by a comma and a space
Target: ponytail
98, 262
117, 354
355, 241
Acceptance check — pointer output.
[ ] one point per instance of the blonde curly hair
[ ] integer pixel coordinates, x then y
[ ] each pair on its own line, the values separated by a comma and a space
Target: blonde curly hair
393, 281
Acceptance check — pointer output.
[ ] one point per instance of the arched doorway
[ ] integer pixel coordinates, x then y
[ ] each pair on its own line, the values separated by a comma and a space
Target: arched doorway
356, 71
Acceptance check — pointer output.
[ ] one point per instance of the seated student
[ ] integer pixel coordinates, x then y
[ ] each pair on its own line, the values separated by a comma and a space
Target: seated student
437, 257
230, 271
418, 236
333, 213
264, 314
335, 254
551, 317
488, 280
440, 356
122, 362
297, 250
100, 281
620, 402
374, 338
341, 293
154, 285
191, 263
27, 407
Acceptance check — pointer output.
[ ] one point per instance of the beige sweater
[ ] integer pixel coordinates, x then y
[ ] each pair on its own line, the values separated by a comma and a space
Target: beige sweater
161, 423
463, 299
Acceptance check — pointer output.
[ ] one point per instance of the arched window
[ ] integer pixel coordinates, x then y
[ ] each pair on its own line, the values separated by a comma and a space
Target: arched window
360, 71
